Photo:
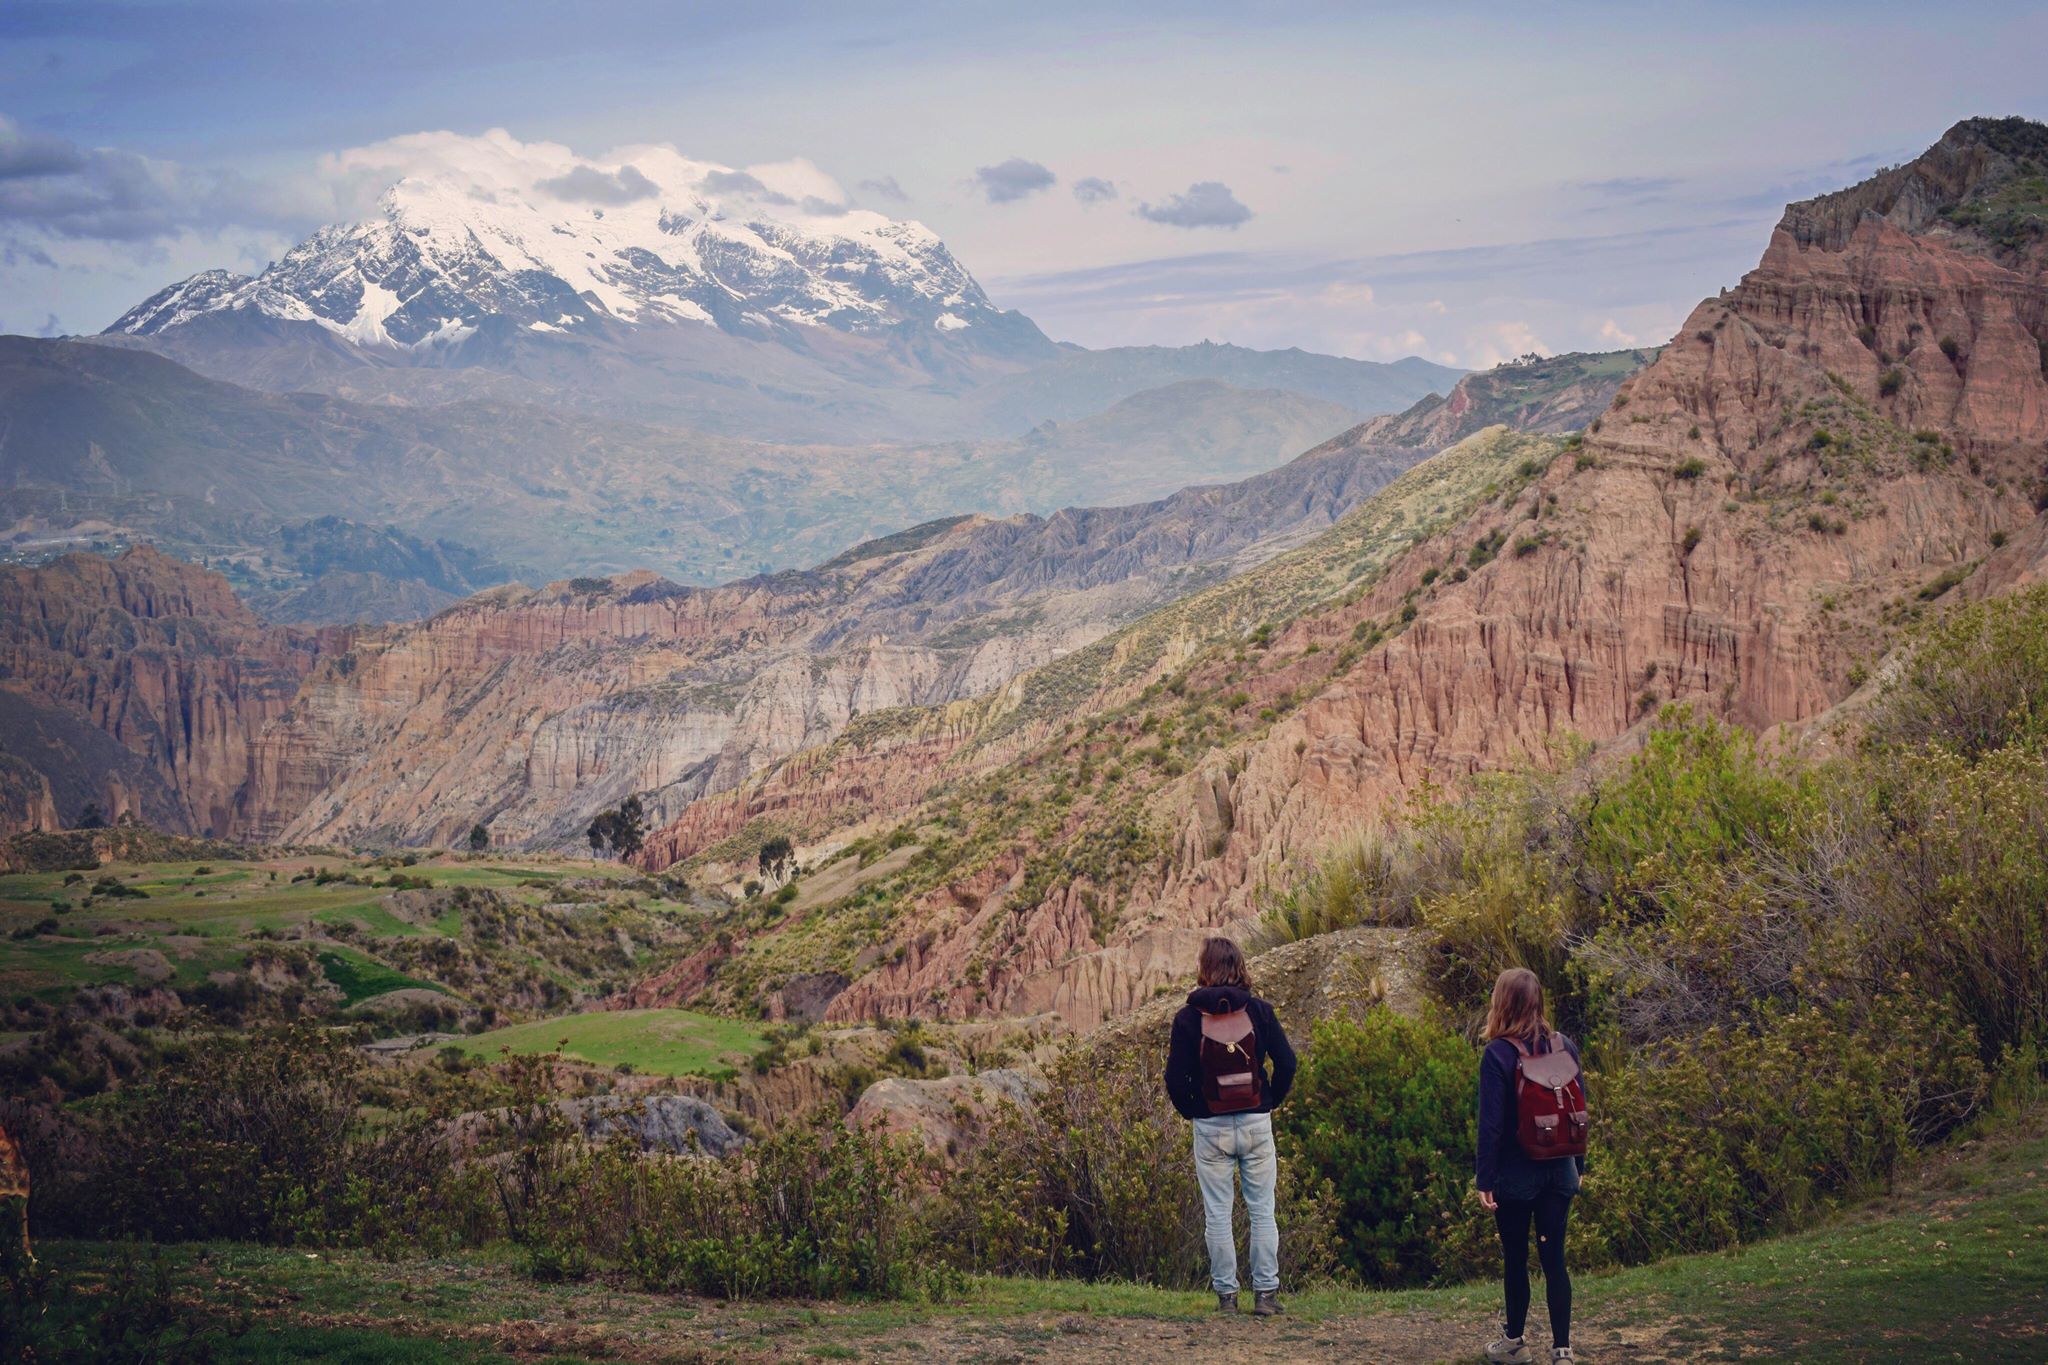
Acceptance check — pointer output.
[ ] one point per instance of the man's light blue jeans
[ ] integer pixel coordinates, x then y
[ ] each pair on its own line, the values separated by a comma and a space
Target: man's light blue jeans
1227, 1149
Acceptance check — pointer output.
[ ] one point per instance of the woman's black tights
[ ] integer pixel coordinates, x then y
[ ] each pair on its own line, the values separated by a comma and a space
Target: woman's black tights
1548, 1212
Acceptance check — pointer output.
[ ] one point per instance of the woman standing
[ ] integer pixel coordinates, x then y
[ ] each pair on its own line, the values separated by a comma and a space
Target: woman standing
1518, 1189
1216, 1075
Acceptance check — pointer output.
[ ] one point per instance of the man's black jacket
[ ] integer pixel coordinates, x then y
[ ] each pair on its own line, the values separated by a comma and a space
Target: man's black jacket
1184, 1052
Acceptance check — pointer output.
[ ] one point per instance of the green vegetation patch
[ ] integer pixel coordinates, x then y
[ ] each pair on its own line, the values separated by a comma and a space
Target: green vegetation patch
660, 1042
359, 977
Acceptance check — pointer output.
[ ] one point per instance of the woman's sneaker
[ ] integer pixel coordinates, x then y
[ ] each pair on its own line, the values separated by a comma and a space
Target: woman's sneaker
1558, 1353
1507, 1350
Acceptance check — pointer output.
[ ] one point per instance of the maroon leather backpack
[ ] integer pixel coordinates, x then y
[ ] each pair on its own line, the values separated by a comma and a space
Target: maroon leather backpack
1550, 1101
1230, 1065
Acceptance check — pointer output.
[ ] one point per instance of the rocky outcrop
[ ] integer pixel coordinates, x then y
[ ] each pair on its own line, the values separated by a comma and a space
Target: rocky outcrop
160, 658
1738, 530
945, 1117
681, 1125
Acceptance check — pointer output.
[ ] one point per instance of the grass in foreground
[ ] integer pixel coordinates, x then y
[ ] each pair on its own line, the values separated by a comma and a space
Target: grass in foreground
657, 1042
1954, 1265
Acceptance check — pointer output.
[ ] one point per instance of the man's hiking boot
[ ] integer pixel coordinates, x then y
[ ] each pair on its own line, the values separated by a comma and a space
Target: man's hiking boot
1266, 1304
1226, 1303
1507, 1350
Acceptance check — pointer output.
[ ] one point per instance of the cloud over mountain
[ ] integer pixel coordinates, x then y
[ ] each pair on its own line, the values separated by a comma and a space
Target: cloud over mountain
1093, 189
589, 185
1008, 181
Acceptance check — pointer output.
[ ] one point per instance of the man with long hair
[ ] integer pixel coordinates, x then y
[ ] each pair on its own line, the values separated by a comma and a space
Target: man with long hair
1228, 1066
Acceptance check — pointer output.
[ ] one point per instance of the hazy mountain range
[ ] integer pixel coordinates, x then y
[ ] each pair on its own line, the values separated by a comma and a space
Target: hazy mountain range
534, 371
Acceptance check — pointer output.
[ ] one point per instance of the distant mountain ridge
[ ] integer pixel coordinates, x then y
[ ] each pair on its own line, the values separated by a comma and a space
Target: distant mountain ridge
534, 708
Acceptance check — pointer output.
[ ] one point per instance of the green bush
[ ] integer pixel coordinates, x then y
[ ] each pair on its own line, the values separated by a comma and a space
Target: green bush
813, 1210
1096, 1179
1733, 1134
1383, 1109
1976, 681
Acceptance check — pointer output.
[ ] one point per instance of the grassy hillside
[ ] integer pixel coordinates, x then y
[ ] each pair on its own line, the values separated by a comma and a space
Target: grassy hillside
250, 937
1953, 1263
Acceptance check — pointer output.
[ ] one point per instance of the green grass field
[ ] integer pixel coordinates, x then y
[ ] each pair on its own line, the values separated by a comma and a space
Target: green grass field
359, 977
204, 916
1951, 1266
656, 1042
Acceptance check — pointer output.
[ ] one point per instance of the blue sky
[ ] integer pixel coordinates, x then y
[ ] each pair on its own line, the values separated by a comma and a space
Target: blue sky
1458, 181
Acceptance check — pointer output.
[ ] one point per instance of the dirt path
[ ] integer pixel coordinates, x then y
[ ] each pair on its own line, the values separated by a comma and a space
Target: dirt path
755, 1337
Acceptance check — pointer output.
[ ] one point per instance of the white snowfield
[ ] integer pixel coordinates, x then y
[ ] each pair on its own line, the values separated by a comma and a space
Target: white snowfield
492, 227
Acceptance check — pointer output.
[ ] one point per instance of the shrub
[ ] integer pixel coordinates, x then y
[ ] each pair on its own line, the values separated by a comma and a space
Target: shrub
1358, 882
814, 1209
1974, 680
1736, 1133
1690, 468
1097, 1179
1951, 348
1383, 1110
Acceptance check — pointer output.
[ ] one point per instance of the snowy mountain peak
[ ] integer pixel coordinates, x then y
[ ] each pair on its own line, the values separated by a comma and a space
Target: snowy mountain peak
473, 229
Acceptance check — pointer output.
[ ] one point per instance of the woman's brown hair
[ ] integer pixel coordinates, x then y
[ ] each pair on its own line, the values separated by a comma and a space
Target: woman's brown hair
1517, 1008
1222, 964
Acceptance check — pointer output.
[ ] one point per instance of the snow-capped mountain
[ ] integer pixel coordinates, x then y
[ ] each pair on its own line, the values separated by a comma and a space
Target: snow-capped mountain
547, 242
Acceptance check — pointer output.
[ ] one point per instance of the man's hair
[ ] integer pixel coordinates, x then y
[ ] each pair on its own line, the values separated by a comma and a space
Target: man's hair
1222, 964
1517, 1007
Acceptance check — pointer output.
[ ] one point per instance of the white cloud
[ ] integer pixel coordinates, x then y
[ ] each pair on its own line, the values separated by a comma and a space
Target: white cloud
1493, 343
1610, 330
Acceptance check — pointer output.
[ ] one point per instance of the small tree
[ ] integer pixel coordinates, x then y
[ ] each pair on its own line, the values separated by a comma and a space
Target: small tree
479, 837
622, 830
776, 855
92, 817
629, 827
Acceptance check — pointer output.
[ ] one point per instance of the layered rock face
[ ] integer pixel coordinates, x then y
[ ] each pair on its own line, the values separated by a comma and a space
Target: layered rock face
533, 710
140, 684
1857, 429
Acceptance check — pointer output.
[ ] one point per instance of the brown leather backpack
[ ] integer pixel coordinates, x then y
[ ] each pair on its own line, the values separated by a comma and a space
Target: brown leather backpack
1550, 1101
1230, 1063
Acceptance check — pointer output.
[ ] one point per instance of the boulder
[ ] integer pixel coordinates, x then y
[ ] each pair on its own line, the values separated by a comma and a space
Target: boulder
945, 1116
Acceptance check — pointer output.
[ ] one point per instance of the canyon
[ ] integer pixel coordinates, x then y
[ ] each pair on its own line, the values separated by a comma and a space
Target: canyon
1825, 453
531, 709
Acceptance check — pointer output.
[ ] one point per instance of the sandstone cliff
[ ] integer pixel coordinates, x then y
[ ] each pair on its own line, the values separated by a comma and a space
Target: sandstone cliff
139, 684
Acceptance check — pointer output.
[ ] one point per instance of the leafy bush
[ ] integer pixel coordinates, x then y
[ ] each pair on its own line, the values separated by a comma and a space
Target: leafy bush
1975, 681
814, 1209
1737, 1133
1096, 1179
1383, 1110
